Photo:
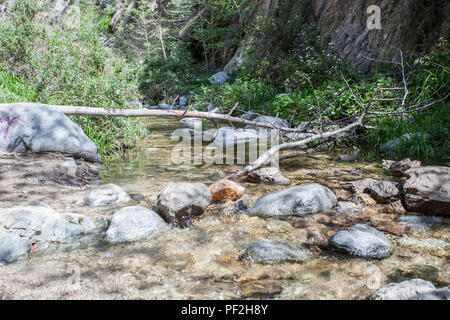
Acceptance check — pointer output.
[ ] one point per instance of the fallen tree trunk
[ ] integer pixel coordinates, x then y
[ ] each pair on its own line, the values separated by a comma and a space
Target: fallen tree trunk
269, 154
96, 112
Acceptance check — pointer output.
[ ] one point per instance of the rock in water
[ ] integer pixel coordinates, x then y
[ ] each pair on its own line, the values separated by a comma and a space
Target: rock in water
363, 241
270, 175
275, 251
40, 225
39, 128
134, 223
108, 194
414, 289
13, 247
181, 199
301, 201
428, 190
274, 121
226, 190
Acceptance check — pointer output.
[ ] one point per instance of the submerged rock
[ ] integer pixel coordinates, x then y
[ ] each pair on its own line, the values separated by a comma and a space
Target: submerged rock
301, 201
13, 247
40, 225
225, 190
362, 241
275, 251
270, 175
414, 289
421, 223
181, 199
134, 223
427, 190
39, 128
108, 194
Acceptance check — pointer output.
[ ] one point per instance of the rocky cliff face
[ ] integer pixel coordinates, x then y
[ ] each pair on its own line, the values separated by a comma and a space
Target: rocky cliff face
409, 25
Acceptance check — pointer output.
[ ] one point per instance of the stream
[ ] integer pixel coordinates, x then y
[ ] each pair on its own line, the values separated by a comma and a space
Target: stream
201, 260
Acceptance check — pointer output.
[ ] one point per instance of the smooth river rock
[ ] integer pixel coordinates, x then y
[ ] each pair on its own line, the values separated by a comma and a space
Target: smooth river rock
301, 201
362, 241
133, 224
226, 190
275, 251
180, 199
108, 194
414, 289
32, 127
427, 190
13, 247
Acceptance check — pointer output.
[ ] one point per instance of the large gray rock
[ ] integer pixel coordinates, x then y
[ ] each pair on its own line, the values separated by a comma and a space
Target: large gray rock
13, 247
194, 123
43, 225
134, 223
181, 199
275, 251
301, 201
414, 289
228, 136
39, 128
269, 175
363, 241
220, 78
428, 190
108, 194
249, 115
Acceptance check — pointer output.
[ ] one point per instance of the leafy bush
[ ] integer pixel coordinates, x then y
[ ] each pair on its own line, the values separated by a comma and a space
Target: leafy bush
69, 67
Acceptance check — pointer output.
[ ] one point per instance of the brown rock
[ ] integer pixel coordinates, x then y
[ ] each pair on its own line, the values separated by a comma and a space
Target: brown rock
363, 185
366, 199
395, 208
428, 190
260, 289
226, 190
385, 192
399, 168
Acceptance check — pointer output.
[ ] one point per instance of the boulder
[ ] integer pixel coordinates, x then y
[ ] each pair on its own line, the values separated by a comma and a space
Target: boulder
385, 192
275, 251
39, 128
362, 241
181, 199
109, 194
302, 200
228, 136
269, 175
421, 223
225, 190
395, 208
194, 123
427, 190
414, 289
399, 168
133, 224
13, 247
363, 185
43, 225
220, 78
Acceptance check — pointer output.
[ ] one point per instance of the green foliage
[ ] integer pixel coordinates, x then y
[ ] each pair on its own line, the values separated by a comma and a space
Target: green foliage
70, 67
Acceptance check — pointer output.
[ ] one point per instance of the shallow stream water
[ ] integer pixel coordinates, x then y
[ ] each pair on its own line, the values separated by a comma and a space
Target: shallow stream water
202, 260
